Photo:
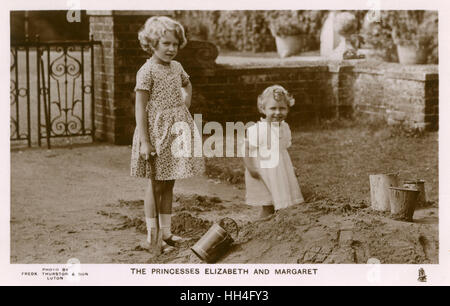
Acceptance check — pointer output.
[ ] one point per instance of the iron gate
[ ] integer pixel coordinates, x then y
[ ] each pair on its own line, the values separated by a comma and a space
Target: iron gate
51, 90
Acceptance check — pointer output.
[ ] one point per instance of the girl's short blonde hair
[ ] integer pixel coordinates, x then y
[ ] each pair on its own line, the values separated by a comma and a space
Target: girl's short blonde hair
155, 28
276, 92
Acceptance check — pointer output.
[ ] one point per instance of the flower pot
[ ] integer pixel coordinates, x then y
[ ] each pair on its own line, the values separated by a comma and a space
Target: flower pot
290, 45
411, 55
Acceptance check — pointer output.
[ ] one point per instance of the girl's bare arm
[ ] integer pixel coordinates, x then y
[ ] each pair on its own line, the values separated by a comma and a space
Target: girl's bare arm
188, 94
250, 163
142, 97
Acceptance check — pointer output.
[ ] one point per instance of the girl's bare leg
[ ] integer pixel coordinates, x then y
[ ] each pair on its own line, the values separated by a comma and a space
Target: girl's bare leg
161, 208
165, 216
266, 211
167, 197
158, 187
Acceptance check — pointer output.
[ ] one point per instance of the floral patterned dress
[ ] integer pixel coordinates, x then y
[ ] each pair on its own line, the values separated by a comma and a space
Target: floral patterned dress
171, 127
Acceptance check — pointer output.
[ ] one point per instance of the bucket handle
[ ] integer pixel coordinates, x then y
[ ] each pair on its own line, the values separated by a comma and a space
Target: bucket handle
226, 222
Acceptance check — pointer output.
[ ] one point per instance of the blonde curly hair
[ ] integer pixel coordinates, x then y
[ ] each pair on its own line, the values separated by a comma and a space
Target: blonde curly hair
155, 27
276, 92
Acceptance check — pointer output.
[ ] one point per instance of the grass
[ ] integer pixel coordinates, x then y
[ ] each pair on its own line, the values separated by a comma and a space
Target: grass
334, 159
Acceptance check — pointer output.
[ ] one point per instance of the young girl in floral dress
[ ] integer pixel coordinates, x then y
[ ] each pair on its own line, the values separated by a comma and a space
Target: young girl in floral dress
163, 95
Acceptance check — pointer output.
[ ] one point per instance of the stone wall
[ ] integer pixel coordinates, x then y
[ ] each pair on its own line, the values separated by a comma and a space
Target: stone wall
228, 92
407, 95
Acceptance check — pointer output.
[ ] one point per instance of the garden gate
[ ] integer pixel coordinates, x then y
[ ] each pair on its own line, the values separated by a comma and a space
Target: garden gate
51, 90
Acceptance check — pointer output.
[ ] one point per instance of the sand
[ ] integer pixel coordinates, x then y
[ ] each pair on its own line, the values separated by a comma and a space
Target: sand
81, 203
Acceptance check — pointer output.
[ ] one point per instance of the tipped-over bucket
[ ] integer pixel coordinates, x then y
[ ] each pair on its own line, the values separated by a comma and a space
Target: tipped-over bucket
420, 186
214, 243
379, 192
403, 203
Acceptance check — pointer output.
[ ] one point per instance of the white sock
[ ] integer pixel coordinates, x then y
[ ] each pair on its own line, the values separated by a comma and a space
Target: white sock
165, 221
151, 223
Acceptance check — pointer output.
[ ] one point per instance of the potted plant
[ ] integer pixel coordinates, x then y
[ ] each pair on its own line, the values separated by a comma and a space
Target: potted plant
430, 30
295, 31
409, 36
378, 40
412, 34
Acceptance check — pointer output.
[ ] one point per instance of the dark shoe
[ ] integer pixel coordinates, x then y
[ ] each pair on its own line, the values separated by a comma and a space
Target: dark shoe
166, 248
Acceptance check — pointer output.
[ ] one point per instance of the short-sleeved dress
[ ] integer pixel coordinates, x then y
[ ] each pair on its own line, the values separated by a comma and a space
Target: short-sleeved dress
172, 130
278, 185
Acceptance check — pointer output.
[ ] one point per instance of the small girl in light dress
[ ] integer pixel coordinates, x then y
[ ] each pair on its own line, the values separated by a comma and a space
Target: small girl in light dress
270, 179
163, 95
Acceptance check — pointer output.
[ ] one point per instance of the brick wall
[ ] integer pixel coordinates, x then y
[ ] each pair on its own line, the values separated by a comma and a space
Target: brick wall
400, 94
101, 28
129, 57
432, 102
116, 64
392, 92
228, 92
231, 93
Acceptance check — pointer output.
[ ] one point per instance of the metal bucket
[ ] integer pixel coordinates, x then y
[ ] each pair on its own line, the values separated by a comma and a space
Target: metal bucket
417, 185
379, 192
403, 203
215, 242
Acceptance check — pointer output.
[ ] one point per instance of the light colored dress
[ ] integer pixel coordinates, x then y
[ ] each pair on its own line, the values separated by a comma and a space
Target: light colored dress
165, 109
278, 185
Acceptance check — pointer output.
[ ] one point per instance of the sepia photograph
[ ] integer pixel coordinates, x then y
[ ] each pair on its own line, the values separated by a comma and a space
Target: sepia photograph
299, 137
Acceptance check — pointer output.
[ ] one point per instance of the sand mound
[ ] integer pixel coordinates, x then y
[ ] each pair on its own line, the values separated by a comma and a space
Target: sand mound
197, 203
186, 225
329, 232
320, 231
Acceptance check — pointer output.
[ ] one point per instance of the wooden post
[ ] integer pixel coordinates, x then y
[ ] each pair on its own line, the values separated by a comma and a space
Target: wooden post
379, 192
155, 241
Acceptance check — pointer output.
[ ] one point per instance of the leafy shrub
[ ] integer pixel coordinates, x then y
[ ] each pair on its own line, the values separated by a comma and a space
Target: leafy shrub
244, 31
249, 30
198, 24
286, 23
406, 27
430, 29
414, 27
230, 30
378, 35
